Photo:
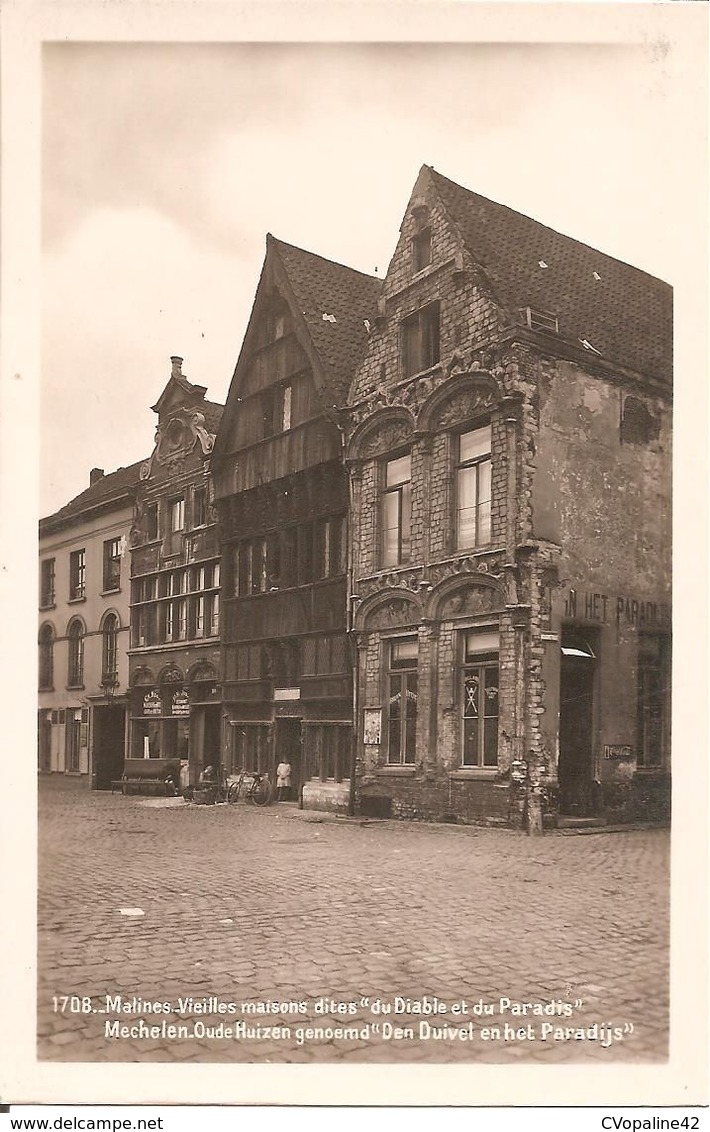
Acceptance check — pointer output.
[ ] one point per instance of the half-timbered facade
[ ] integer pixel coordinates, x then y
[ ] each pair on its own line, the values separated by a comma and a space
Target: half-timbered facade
175, 587
508, 440
281, 492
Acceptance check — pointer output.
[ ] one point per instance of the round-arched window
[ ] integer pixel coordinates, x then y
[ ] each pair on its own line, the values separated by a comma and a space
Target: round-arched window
109, 673
76, 654
46, 657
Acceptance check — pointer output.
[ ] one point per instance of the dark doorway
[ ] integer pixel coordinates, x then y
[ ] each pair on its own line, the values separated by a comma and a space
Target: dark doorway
288, 748
205, 745
212, 738
109, 733
576, 765
44, 735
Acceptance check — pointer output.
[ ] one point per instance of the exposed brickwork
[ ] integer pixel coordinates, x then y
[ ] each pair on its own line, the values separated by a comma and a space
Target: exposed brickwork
560, 509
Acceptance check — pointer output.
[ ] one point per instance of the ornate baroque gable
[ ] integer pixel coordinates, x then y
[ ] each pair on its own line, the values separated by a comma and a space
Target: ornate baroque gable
177, 439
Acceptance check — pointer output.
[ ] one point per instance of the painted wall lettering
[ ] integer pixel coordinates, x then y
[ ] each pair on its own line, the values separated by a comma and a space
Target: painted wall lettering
584, 605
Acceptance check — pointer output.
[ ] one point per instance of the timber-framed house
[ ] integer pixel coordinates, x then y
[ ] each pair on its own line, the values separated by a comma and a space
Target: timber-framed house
281, 492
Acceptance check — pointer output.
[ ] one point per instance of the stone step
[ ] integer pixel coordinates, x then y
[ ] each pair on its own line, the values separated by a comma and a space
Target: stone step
579, 823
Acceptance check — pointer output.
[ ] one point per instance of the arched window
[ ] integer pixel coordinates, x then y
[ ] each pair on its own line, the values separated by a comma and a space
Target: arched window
75, 636
109, 666
46, 658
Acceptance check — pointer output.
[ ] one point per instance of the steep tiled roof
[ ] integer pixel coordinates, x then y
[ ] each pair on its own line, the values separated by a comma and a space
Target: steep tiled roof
213, 414
346, 297
118, 486
625, 314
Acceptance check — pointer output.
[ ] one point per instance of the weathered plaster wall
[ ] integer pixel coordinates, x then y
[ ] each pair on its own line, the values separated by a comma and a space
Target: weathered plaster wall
606, 500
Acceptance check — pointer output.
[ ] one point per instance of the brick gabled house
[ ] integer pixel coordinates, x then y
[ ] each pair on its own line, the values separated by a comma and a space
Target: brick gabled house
508, 441
281, 492
175, 586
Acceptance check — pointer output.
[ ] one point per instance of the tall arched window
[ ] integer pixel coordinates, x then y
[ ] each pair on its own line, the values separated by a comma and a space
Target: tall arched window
46, 658
75, 636
109, 666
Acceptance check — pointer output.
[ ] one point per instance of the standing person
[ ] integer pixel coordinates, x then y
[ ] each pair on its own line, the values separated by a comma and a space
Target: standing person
283, 779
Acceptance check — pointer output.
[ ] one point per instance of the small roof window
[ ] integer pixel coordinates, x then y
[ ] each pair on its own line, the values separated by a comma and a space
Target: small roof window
540, 320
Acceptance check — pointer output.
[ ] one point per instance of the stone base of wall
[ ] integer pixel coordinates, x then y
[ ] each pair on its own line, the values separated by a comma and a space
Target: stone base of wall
333, 797
474, 802
65, 778
647, 797
652, 797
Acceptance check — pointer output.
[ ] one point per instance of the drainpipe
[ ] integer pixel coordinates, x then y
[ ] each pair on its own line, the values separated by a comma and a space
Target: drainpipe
354, 650
350, 633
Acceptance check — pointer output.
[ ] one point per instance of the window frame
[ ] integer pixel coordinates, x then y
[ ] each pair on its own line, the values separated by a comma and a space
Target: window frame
112, 560
478, 664
406, 673
109, 650
48, 583
77, 575
46, 657
474, 464
176, 508
421, 240
200, 503
420, 339
152, 522
403, 492
76, 635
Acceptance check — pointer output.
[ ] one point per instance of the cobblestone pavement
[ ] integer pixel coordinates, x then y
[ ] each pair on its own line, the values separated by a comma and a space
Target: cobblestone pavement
276, 906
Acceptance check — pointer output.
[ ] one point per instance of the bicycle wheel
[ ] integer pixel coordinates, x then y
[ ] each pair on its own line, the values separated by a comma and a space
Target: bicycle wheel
261, 792
233, 793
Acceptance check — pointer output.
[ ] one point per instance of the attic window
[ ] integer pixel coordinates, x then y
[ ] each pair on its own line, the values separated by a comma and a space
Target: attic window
540, 320
421, 250
420, 340
638, 425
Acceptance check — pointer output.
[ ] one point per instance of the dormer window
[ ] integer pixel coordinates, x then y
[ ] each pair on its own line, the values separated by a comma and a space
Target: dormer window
421, 250
540, 320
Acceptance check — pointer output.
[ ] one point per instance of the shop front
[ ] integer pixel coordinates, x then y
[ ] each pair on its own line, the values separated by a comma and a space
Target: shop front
293, 730
177, 716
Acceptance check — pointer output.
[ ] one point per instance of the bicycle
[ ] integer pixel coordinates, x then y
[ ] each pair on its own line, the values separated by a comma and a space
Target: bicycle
251, 786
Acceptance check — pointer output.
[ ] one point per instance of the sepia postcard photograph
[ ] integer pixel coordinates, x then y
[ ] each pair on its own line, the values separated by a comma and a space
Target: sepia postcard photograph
357, 532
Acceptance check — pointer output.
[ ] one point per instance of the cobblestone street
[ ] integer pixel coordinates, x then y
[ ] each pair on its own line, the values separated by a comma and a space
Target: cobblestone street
283, 907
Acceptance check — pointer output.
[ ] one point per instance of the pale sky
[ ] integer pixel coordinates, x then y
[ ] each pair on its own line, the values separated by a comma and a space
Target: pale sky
164, 166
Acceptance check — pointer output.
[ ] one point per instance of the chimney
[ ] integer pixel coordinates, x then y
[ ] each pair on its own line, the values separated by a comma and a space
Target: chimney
176, 366
95, 475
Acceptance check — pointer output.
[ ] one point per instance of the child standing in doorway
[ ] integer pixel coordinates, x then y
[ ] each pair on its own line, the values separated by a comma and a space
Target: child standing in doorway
283, 779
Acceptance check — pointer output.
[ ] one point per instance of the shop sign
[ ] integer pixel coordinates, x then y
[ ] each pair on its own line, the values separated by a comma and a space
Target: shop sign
181, 703
618, 752
373, 726
152, 704
583, 605
287, 693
